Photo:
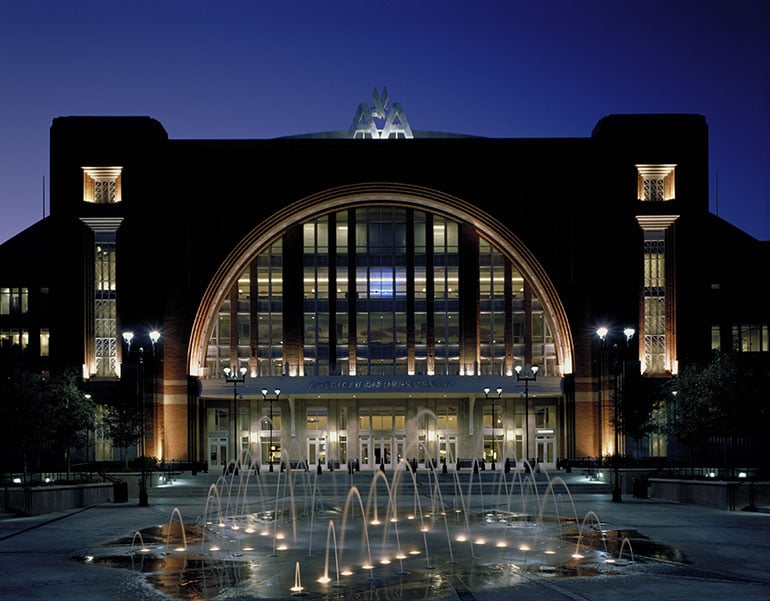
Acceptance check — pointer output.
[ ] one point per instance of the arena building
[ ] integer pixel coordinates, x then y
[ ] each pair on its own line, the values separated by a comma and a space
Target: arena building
380, 293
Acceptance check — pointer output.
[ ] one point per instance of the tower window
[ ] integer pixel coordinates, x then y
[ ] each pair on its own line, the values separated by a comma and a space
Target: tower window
102, 185
655, 183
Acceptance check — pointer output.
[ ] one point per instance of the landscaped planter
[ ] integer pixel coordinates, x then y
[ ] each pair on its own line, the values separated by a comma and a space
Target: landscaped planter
37, 500
711, 493
120, 487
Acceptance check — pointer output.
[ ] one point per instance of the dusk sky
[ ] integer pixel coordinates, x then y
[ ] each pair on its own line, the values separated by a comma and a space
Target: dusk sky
221, 69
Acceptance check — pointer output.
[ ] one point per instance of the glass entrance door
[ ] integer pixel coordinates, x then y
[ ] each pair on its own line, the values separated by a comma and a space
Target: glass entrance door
447, 449
383, 451
316, 451
218, 451
546, 450
365, 454
400, 448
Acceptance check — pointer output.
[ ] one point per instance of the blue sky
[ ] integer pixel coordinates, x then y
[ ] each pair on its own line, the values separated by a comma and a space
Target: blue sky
265, 68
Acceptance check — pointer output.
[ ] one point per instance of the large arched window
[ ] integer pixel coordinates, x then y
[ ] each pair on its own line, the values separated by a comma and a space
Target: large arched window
383, 292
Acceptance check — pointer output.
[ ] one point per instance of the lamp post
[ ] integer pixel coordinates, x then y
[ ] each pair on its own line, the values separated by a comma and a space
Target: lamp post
88, 434
494, 425
526, 378
154, 338
270, 443
231, 377
603, 332
128, 337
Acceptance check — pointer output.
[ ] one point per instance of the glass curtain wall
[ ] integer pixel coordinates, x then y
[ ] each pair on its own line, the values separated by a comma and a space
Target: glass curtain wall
381, 296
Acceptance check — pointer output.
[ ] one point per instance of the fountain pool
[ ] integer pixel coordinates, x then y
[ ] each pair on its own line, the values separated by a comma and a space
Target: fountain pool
401, 534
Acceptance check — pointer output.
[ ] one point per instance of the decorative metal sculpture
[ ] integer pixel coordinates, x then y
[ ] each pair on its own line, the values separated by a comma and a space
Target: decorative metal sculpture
366, 119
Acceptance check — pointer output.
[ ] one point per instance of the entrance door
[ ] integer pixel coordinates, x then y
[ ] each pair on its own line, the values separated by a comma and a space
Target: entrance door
365, 453
218, 451
400, 447
447, 449
316, 450
383, 451
546, 450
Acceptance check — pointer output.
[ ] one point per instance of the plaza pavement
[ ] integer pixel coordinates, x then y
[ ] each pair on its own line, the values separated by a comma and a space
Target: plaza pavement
724, 555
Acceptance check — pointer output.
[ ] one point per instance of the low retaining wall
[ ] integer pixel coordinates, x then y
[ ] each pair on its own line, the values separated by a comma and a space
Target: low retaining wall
37, 500
720, 494
120, 487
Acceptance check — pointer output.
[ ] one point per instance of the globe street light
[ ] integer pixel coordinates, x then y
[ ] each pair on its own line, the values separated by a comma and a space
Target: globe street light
154, 338
526, 378
603, 332
270, 443
128, 337
232, 378
486, 396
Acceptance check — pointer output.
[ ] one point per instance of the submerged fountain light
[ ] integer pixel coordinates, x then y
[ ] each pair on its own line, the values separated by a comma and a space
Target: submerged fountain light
143, 548
297, 588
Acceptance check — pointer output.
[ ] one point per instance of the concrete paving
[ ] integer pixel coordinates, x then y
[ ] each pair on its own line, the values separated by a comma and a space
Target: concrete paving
720, 555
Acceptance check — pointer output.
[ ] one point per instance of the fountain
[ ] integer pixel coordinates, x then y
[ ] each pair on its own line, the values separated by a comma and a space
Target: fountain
428, 534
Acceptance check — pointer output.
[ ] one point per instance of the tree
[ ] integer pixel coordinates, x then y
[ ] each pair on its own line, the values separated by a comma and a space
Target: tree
72, 412
636, 406
754, 377
44, 413
718, 398
123, 422
693, 417
22, 414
